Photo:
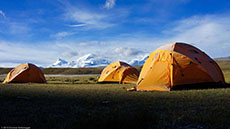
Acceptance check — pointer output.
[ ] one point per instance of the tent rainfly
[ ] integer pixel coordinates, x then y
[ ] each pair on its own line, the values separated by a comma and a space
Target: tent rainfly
119, 72
25, 73
178, 65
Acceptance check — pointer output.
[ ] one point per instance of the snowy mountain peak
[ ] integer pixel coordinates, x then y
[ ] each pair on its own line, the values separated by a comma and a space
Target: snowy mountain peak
92, 60
59, 63
87, 57
89, 60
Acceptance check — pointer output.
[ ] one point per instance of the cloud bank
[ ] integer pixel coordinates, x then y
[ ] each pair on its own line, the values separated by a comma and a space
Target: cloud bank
210, 33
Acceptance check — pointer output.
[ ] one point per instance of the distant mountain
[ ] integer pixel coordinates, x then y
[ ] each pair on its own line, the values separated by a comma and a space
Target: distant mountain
222, 58
135, 62
60, 63
89, 60
92, 60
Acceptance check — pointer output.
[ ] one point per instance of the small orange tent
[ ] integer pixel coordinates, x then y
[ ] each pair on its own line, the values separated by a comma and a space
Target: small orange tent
119, 72
178, 64
25, 73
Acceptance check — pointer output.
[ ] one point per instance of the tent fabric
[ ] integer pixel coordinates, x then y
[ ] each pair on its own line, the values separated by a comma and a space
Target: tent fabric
119, 72
25, 73
177, 64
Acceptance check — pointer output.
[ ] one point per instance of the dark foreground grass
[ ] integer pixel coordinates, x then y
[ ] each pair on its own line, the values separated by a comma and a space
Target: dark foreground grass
95, 106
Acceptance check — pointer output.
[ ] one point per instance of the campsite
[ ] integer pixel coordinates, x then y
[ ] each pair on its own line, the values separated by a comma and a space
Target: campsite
114, 64
79, 102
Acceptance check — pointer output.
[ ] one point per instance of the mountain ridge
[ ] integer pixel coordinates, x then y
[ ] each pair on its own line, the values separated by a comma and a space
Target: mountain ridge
91, 60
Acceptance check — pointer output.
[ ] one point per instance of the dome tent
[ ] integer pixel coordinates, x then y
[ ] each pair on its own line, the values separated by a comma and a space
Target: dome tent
119, 72
178, 65
25, 73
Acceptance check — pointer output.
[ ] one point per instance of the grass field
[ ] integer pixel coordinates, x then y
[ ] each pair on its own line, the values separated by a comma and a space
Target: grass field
81, 103
68, 71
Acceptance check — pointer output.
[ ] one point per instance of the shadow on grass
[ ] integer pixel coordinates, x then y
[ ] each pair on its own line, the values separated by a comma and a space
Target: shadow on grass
201, 86
69, 113
115, 119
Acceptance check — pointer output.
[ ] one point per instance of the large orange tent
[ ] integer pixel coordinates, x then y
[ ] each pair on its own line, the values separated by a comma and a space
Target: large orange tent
119, 72
25, 73
175, 65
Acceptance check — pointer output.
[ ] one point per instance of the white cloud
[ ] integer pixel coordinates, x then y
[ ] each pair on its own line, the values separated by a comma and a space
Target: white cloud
77, 25
109, 4
17, 53
210, 33
2, 13
88, 19
124, 51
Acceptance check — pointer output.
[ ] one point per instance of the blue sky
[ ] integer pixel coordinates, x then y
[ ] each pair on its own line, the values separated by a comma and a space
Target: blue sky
41, 31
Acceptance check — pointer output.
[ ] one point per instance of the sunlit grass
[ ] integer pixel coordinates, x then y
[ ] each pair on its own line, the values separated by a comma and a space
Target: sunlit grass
72, 80
227, 76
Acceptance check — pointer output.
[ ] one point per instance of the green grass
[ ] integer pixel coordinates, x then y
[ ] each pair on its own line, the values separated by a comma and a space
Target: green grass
66, 70
111, 106
72, 70
72, 80
81, 103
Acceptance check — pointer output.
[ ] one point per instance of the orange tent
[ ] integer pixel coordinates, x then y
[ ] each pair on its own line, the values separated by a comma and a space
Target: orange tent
119, 72
25, 73
178, 64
